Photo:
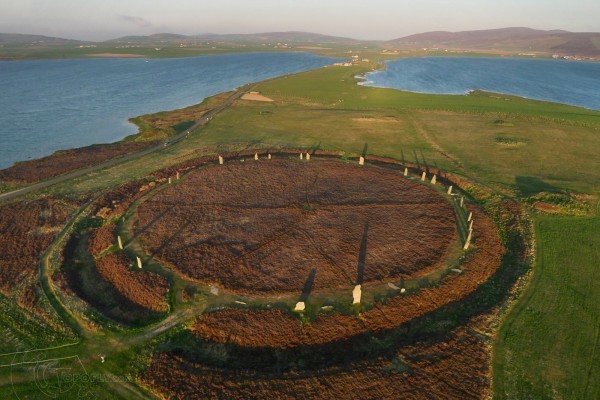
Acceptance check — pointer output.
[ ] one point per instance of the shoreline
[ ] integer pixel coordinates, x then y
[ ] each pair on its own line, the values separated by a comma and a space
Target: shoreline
129, 139
365, 81
124, 128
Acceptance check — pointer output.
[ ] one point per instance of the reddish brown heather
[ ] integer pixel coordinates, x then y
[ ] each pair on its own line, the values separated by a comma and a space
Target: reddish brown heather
455, 367
262, 227
266, 328
102, 238
118, 200
29, 297
67, 160
143, 288
27, 228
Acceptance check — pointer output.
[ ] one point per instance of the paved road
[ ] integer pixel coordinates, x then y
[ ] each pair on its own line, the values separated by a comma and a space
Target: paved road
112, 162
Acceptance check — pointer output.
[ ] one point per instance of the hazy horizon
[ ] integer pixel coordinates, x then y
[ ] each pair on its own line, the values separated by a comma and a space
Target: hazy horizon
380, 20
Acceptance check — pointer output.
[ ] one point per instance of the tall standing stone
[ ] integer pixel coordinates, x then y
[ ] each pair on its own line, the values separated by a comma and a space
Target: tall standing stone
120, 242
301, 156
307, 156
470, 217
220, 160
423, 176
256, 156
269, 156
177, 176
361, 160
468, 241
434, 179
405, 171
169, 179
139, 262
462, 201
450, 189
356, 294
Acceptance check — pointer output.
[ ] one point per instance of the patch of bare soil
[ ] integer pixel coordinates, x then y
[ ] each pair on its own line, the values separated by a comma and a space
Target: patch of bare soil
254, 96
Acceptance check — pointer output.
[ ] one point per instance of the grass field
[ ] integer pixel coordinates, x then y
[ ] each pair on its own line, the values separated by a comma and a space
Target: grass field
548, 347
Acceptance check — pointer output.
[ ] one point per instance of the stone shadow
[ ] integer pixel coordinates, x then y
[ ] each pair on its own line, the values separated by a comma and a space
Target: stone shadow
530, 185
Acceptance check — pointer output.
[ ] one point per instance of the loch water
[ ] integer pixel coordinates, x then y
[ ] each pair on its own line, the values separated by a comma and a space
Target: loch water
48, 105
562, 81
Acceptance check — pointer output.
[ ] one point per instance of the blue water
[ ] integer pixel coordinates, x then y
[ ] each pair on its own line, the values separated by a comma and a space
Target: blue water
568, 82
50, 105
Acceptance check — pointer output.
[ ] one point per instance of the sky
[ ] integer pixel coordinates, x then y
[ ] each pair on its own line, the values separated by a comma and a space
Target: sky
360, 19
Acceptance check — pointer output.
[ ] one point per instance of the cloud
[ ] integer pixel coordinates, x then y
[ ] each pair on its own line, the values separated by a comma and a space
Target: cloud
137, 21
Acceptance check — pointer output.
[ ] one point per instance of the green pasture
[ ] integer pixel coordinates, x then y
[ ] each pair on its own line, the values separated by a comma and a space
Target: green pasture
548, 346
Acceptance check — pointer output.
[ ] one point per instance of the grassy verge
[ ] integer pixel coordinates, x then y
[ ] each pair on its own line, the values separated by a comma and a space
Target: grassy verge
548, 347
165, 124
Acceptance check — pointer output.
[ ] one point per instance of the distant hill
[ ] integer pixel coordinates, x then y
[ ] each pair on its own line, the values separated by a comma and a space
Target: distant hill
524, 40
287, 37
17, 39
156, 38
506, 40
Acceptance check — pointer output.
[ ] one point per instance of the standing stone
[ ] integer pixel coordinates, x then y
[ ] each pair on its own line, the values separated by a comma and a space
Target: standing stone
462, 201
434, 180
356, 294
307, 156
300, 306
120, 242
470, 217
169, 180
256, 156
467, 245
139, 262
423, 176
301, 156
220, 160
450, 189
468, 241
405, 171
269, 156
361, 160
177, 176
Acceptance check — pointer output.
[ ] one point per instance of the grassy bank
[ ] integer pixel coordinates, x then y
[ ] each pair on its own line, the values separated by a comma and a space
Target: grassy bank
548, 347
